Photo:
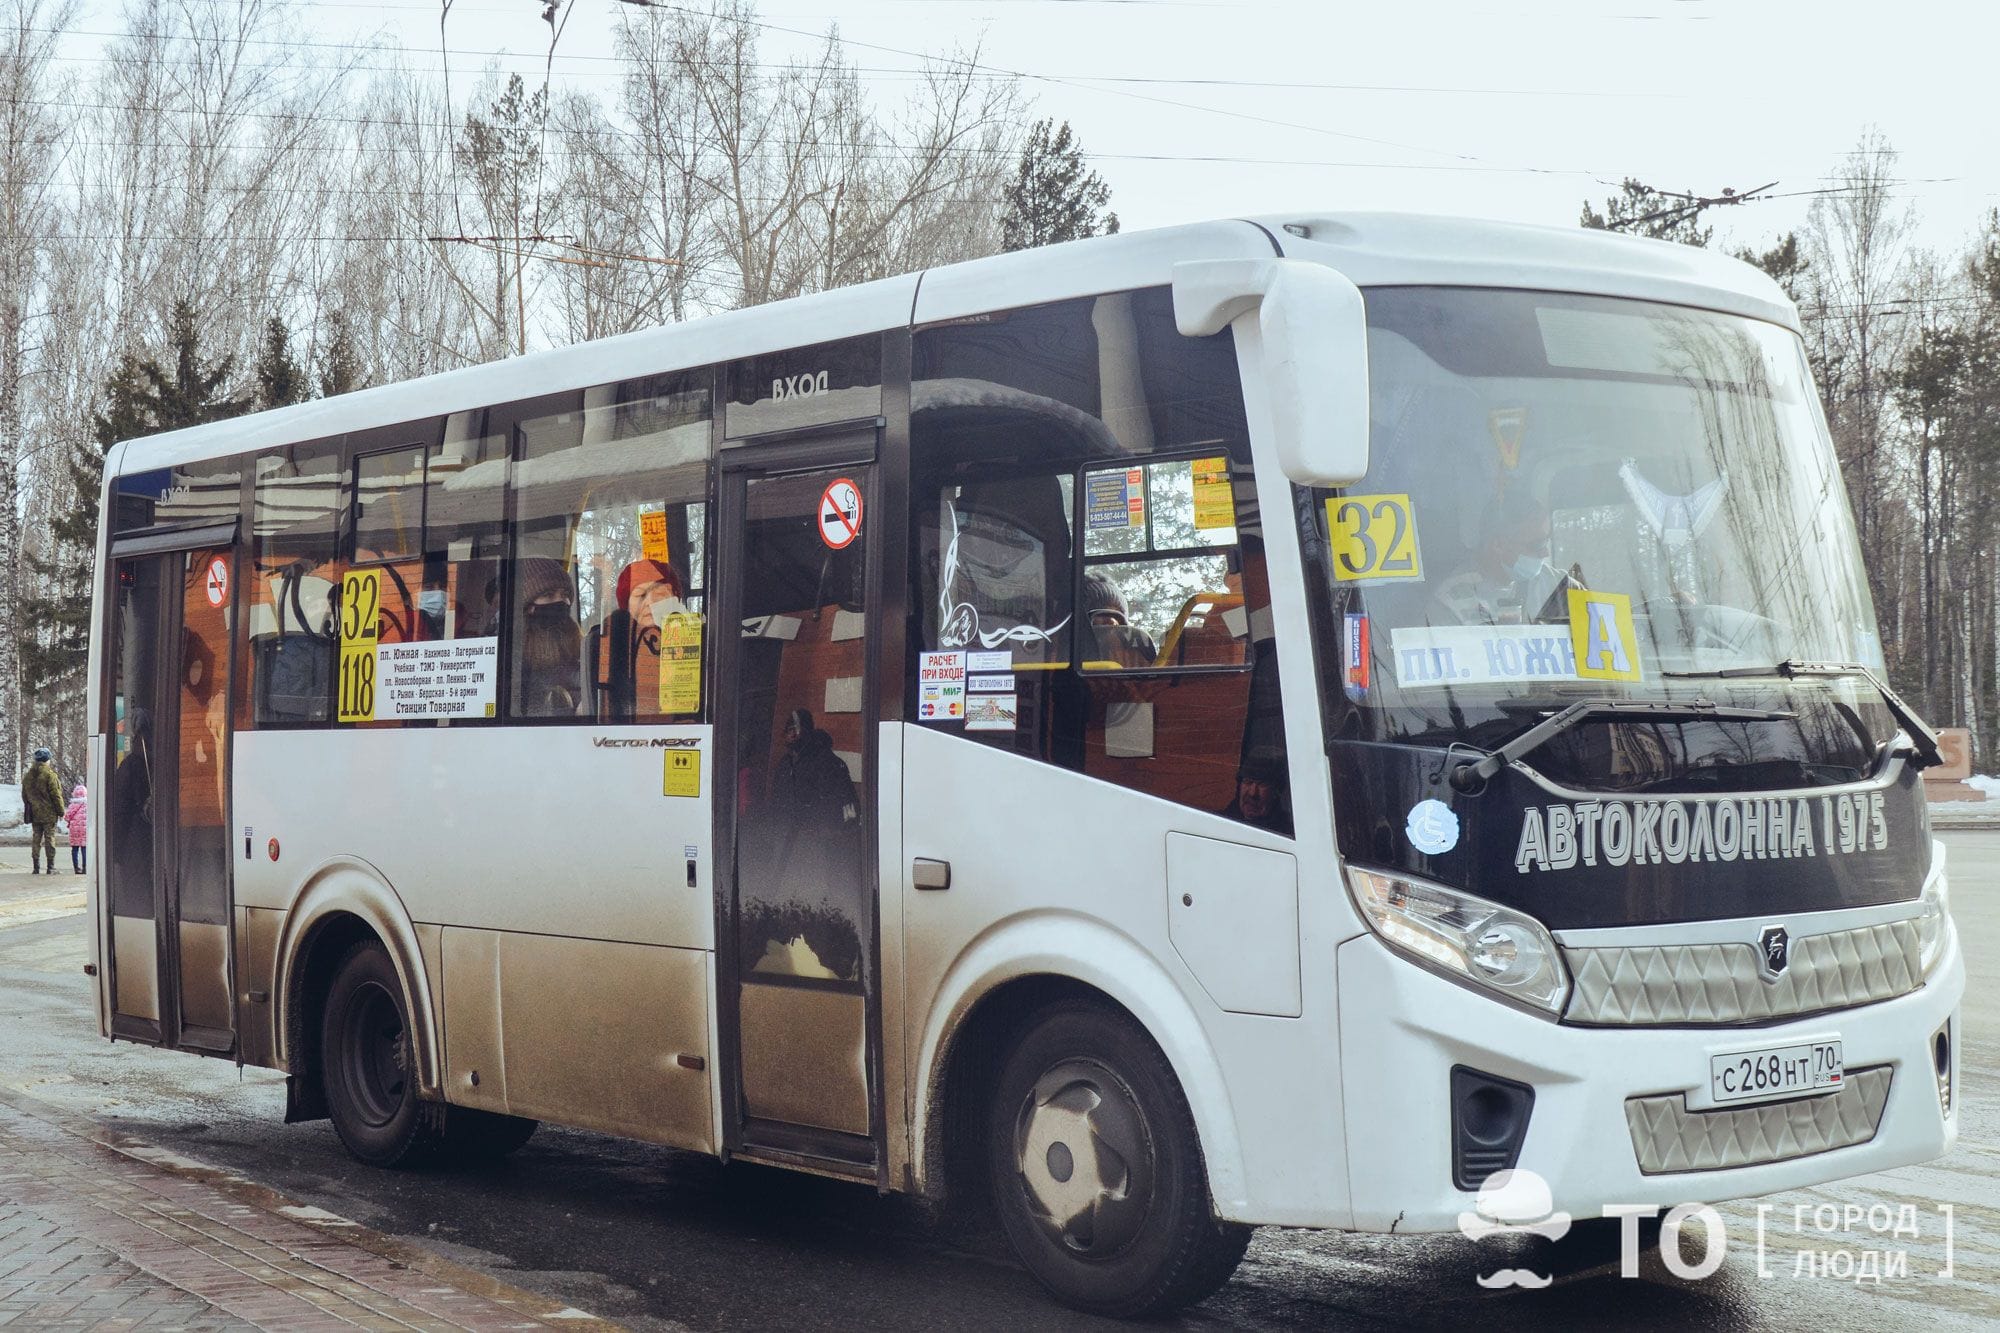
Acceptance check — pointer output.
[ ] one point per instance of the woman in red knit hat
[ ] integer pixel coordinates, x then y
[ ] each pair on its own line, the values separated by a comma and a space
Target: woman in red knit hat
626, 647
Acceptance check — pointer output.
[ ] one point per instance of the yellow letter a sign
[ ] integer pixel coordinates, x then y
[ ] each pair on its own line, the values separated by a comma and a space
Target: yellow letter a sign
1600, 630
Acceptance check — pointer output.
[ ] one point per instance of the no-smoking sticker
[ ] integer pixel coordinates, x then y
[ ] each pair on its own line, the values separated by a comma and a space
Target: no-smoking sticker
840, 514
216, 585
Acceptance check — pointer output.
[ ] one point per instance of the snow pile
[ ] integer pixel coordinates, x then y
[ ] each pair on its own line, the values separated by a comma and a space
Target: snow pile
10, 805
1989, 785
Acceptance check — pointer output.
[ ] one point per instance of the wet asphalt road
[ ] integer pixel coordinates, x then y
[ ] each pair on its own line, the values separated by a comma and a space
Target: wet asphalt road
663, 1240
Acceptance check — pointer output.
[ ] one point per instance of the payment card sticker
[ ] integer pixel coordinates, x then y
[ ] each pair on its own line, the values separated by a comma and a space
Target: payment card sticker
1372, 538
941, 687
1600, 631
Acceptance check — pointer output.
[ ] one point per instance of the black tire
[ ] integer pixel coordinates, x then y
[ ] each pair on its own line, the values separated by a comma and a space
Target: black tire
368, 1065
484, 1136
1120, 1222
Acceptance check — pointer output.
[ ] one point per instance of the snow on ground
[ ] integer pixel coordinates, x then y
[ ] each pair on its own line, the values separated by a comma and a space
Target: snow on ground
12, 834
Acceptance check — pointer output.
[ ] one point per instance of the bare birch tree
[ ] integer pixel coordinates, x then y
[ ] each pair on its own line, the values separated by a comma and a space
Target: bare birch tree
30, 209
1858, 236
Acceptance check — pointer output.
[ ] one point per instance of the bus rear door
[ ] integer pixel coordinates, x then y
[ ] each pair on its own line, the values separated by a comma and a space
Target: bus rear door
163, 796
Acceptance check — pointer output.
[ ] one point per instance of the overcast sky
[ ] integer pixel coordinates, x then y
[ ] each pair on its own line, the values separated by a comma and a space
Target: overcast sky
1502, 108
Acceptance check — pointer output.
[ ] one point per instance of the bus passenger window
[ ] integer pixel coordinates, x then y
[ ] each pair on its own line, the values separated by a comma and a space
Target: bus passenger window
430, 520
1085, 529
387, 524
389, 504
611, 555
292, 581
465, 494
1159, 580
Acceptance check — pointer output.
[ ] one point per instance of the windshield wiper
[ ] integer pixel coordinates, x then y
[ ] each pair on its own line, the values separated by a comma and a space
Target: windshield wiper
1922, 738
1471, 776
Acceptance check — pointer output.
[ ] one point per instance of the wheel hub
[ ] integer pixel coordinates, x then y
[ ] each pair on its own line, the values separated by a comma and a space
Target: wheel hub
1086, 1158
377, 1058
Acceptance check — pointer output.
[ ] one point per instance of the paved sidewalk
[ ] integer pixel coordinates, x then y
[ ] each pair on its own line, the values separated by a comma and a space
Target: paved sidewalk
101, 1231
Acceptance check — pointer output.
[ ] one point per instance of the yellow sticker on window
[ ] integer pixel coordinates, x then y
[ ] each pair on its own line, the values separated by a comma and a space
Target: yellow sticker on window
1372, 537
1214, 500
683, 776
360, 631
1600, 630
680, 664
653, 534
1508, 425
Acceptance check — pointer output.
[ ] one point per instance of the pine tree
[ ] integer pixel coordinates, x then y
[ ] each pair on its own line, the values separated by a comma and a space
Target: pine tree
140, 397
340, 360
1054, 197
280, 379
1785, 262
1640, 210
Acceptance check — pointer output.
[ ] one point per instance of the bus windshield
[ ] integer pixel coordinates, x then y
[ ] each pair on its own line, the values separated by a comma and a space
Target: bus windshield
1577, 497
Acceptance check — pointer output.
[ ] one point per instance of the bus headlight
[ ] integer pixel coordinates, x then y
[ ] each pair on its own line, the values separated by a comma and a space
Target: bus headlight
1934, 923
1504, 951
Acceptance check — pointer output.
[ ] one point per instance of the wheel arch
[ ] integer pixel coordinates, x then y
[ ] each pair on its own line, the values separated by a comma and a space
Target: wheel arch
343, 902
1012, 971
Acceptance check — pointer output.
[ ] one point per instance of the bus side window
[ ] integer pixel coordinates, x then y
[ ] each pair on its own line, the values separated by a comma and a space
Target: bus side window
429, 520
610, 549
465, 531
1139, 651
290, 637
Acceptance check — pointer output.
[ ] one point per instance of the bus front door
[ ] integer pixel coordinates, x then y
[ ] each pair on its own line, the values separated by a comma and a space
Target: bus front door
163, 799
795, 742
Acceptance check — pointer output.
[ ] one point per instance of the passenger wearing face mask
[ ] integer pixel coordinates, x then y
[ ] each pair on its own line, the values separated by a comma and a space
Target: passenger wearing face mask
549, 679
430, 614
625, 649
1511, 578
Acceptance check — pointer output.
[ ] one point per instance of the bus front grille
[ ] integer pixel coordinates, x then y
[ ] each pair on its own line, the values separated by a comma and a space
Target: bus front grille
1693, 985
1669, 1138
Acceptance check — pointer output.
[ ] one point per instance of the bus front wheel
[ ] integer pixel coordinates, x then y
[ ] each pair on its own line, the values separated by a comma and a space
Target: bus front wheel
368, 1065
1097, 1173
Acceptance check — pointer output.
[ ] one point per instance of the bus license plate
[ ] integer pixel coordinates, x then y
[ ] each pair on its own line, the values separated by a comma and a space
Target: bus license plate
1776, 1071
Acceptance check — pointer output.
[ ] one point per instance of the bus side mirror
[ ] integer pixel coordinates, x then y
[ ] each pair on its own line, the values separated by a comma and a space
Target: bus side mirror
1312, 332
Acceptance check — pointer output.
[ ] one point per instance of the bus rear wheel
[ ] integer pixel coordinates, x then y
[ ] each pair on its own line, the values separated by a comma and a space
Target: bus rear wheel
1096, 1170
368, 1065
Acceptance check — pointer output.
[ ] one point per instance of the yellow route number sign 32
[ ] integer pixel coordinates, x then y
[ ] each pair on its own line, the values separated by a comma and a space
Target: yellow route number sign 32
360, 630
1372, 537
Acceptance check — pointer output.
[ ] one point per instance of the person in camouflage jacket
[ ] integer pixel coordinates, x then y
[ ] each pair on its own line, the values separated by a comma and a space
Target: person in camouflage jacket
42, 807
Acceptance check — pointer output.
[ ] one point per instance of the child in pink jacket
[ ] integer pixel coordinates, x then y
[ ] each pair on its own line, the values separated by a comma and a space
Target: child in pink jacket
77, 817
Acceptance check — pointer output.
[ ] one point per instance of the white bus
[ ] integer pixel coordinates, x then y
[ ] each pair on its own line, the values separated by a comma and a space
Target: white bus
1263, 722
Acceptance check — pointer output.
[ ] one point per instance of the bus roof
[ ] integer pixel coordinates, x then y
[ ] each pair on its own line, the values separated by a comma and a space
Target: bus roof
1372, 249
